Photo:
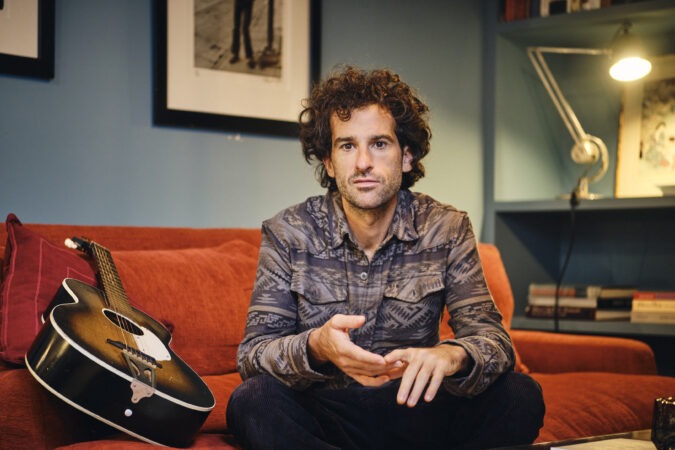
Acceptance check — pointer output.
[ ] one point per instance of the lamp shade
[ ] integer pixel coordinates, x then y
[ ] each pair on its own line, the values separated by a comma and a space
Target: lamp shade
627, 56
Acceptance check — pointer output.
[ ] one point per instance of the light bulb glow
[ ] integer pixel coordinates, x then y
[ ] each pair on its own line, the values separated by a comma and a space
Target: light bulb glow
630, 69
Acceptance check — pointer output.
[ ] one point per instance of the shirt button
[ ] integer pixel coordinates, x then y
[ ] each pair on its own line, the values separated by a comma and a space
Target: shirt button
364, 276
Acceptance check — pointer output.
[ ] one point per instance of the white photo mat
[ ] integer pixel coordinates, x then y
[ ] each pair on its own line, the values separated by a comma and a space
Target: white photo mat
646, 145
237, 101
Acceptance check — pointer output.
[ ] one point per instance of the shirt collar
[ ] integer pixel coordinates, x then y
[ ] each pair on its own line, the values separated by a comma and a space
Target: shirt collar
331, 217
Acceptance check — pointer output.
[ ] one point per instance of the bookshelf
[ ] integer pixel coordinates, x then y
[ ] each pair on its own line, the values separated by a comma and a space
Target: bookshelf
527, 165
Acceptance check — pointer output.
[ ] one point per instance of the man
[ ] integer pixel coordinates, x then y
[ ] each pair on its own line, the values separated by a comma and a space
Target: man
242, 9
342, 347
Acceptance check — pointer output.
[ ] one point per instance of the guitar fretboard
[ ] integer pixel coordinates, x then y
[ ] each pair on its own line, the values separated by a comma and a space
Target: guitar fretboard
110, 280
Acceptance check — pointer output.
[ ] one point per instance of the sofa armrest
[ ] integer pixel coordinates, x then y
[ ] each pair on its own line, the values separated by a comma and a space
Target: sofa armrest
547, 352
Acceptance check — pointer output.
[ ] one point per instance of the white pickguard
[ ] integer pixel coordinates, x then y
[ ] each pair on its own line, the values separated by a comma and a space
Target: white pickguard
151, 345
147, 342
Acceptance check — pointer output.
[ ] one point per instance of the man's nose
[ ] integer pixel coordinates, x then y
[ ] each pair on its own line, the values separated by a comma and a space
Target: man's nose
364, 160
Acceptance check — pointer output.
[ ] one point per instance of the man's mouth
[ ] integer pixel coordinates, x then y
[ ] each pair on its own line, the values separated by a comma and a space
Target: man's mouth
364, 182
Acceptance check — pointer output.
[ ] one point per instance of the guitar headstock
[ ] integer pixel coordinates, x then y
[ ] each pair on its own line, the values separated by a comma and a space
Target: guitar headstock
81, 244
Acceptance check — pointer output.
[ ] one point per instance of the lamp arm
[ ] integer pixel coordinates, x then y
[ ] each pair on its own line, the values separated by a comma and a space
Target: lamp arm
544, 72
587, 149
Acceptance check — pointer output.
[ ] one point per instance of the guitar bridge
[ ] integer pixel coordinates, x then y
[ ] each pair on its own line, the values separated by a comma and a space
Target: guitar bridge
143, 371
135, 352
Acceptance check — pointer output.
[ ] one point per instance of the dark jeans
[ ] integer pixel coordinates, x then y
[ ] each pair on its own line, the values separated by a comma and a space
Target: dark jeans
265, 414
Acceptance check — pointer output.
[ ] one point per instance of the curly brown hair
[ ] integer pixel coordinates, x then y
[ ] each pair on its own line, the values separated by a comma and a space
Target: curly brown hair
351, 89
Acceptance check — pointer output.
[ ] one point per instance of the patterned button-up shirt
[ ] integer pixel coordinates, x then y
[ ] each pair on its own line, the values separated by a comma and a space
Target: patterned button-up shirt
310, 268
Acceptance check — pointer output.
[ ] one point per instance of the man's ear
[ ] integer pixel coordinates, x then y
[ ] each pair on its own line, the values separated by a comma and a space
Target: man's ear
407, 160
328, 164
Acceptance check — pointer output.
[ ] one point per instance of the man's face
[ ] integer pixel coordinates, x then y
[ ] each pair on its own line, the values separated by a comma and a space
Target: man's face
366, 159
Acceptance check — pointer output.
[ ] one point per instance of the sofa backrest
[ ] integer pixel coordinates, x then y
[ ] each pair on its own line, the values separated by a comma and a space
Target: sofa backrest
141, 238
148, 257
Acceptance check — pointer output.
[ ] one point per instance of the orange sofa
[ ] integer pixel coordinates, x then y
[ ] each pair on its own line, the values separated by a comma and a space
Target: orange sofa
197, 283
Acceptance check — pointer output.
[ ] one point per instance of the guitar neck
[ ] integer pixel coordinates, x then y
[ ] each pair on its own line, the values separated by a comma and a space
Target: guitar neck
110, 280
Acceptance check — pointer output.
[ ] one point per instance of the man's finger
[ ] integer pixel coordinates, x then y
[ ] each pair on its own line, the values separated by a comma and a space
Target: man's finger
371, 381
344, 321
407, 382
361, 357
434, 385
421, 380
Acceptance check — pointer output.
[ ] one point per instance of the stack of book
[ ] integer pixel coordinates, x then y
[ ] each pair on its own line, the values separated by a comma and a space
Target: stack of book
653, 307
586, 302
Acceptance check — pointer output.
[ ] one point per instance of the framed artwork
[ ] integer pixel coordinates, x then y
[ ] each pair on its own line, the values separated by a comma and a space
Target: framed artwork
646, 148
27, 38
234, 65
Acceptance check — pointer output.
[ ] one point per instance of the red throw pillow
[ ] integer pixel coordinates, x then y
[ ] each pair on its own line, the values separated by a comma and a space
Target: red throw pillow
32, 273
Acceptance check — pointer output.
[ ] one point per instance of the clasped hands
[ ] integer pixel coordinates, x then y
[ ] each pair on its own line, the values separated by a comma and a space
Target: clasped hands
418, 368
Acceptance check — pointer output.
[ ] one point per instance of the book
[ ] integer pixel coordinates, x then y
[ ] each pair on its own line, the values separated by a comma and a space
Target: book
565, 290
582, 291
617, 291
653, 305
615, 303
578, 313
599, 303
549, 300
515, 10
654, 295
652, 316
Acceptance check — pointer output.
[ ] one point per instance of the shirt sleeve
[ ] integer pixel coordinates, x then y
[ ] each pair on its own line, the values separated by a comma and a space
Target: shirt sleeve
271, 342
474, 318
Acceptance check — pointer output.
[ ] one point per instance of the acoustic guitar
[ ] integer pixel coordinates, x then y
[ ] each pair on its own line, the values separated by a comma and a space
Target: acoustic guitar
112, 361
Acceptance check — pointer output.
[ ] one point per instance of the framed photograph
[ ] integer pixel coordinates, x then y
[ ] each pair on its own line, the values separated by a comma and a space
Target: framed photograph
646, 148
27, 38
235, 65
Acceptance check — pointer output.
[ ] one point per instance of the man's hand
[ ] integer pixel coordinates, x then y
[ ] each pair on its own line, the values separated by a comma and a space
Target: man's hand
426, 368
331, 343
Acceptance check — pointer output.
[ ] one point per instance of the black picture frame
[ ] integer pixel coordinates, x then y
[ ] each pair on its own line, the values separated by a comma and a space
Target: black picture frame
42, 66
165, 115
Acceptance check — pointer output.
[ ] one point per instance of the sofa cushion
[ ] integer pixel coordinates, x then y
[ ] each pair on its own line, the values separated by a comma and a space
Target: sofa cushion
33, 270
582, 404
201, 294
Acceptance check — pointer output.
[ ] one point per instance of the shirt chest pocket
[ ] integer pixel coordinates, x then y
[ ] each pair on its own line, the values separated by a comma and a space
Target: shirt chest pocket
414, 287
317, 300
318, 290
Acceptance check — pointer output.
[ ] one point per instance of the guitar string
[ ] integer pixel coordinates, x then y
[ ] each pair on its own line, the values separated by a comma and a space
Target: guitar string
109, 275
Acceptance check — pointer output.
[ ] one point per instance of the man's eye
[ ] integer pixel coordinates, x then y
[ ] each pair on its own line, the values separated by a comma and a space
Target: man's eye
346, 146
380, 144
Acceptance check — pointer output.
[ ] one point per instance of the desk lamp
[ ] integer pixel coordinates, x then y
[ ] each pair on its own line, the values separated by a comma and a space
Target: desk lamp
627, 65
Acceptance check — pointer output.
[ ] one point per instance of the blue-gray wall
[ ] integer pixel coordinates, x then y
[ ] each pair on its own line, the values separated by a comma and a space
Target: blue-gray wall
81, 148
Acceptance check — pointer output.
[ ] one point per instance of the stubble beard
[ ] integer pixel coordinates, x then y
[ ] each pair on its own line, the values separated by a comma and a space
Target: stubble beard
371, 200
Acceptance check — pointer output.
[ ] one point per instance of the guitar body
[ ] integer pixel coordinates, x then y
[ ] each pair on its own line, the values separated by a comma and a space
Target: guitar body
79, 355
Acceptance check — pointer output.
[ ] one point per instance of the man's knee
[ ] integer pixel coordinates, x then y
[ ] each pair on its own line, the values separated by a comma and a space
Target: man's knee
524, 404
254, 393
526, 392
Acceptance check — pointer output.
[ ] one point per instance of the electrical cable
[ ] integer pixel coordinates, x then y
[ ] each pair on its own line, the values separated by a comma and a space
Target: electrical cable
574, 202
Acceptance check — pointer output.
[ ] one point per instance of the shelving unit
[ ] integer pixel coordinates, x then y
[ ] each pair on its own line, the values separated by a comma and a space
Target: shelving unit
616, 241
527, 166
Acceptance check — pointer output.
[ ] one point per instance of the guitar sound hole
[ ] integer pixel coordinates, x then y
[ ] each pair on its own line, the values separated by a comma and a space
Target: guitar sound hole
123, 322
